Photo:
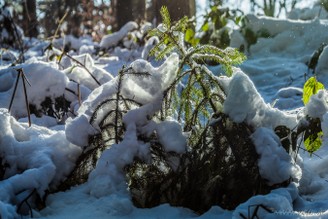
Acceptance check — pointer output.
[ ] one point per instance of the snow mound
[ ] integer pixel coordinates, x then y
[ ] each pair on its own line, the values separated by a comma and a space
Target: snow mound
288, 98
36, 158
148, 89
45, 80
170, 136
279, 200
287, 36
244, 103
89, 74
275, 164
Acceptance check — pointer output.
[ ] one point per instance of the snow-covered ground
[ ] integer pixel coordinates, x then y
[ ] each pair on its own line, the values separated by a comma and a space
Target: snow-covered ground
40, 156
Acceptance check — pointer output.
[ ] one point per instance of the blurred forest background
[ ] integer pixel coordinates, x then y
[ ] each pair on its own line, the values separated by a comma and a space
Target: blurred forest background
41, 18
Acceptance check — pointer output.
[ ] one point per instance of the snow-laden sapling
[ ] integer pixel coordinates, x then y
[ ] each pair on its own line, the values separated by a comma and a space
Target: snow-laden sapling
111, 122
201, 93
108, 118
220, 167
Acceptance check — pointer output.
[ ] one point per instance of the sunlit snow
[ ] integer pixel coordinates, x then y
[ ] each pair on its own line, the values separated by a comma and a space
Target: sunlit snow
265, 91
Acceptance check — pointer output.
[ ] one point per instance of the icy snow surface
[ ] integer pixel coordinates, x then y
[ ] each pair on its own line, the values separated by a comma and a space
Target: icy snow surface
42, 155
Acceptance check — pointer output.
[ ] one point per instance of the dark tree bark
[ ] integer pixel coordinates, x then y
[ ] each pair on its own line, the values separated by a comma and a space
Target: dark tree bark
139, 9
128, 10
30, 22
124, 12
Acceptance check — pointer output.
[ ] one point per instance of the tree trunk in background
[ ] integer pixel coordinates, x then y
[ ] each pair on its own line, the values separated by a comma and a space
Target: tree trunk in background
30, 22
128, 10
139, 10
74, 17
124, 12
177, 8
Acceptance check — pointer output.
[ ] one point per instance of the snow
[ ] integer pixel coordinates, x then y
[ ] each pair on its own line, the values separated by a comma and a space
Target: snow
82, 74
275, 164
279, 200
244, 103
265, 92
148, 46
148, 88
288, 35
318, 105
47, 81
37, 157
308, 14
113, 39
171, 136
322, 62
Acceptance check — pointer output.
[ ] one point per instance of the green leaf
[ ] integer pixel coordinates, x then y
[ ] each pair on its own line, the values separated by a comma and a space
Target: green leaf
311, 86
238, 19
205, 27
313, 142
189, 35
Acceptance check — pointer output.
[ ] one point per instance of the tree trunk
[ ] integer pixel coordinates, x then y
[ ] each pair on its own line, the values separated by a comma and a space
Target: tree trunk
30, 23
128, 10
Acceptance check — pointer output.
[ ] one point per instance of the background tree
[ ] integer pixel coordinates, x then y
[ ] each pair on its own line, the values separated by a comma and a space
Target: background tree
127, 10
30, 21
54, 10
135, 10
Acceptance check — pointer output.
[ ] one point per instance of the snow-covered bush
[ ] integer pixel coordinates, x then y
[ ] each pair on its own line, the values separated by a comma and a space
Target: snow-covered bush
169, 132
35, 158
45, 95
133, 132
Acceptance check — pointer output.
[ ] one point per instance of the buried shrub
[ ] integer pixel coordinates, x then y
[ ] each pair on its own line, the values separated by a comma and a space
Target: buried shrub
221, 169
108, 112
224, 163
219, 162
220, 166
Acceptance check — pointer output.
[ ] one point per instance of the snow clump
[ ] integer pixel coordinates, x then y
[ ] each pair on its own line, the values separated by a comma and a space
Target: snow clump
114, 38
150, 89
275, 164
245, 104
